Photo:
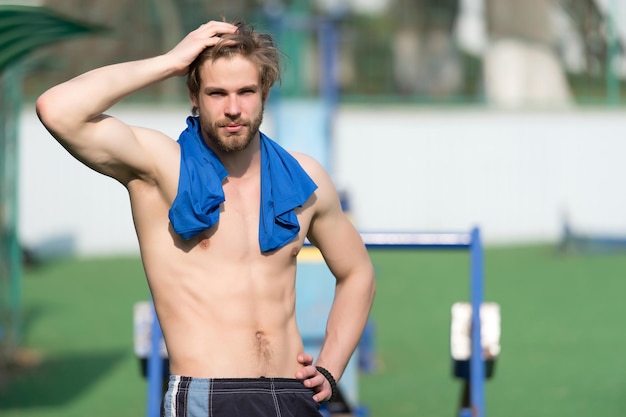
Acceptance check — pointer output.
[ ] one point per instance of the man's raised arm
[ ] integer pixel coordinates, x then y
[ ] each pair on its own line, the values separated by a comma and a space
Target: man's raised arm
73, 111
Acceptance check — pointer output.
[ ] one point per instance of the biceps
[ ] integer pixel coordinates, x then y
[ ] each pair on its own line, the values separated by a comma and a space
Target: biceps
340, 243
112, 148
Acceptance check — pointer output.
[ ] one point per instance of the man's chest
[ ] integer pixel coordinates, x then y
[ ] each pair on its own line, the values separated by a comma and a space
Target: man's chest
242, 201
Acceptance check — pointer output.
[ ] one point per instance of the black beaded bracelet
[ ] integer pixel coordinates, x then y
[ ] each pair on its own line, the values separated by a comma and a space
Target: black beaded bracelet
331, 380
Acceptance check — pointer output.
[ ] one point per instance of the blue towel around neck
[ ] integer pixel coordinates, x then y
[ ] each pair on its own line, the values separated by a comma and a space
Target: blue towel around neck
284, 186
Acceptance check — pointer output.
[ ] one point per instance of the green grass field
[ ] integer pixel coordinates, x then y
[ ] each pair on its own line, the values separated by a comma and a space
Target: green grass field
563, 337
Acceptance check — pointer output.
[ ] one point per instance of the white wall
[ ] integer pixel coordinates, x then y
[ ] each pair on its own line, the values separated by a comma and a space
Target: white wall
514, 174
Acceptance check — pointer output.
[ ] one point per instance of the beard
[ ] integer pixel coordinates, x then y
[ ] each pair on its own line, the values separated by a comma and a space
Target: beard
231, 142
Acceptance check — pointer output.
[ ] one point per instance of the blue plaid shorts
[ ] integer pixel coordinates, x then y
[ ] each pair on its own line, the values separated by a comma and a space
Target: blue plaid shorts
234, 397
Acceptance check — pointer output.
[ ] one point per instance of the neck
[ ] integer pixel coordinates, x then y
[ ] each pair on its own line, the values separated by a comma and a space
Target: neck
244, 162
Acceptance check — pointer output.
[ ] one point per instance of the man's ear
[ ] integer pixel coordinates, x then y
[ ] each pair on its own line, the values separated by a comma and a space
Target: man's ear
193, 99
267, 96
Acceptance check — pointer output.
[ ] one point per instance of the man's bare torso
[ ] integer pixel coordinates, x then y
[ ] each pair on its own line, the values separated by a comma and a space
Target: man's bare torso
226, 309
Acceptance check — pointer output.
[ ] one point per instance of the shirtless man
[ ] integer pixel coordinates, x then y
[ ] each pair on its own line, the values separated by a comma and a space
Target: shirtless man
225, 297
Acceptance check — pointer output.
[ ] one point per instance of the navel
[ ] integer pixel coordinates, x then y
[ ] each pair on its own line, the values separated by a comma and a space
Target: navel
263, 349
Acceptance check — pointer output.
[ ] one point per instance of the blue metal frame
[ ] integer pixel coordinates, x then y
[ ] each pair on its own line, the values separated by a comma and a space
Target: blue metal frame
477, 364
466, 241
155, 370
416, 240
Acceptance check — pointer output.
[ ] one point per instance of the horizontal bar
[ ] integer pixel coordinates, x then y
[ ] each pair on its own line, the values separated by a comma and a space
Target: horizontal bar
596, 240
414, 240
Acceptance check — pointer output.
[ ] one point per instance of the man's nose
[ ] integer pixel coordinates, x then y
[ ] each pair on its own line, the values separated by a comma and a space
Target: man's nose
232, 106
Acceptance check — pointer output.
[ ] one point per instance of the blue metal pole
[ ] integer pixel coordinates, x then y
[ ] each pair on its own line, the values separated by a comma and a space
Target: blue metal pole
277, 25
155, 369
329, 43
477, 364
327, 37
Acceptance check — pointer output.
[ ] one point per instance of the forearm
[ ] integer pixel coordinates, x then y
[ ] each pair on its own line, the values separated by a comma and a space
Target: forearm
347, 319
87, 96
69, 106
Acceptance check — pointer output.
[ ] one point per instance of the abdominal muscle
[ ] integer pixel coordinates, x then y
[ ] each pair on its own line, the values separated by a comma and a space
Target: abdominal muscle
226, 317
226, 309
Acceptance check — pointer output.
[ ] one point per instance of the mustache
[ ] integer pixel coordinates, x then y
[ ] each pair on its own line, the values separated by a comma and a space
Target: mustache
228, 122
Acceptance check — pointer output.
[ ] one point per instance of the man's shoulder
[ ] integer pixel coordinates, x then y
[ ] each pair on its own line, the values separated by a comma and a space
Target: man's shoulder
307, 162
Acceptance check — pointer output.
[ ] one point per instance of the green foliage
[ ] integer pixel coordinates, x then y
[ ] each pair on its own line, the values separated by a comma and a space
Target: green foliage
24, 29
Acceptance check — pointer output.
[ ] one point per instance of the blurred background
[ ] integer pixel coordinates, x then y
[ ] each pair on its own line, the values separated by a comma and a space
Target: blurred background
505, 113
430, 115
418, 51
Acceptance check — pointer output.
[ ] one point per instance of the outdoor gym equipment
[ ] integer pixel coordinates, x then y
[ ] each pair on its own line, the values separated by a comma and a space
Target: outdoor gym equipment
573, 240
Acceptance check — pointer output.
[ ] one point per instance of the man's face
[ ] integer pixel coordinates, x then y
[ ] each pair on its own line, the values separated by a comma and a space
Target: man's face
230, 103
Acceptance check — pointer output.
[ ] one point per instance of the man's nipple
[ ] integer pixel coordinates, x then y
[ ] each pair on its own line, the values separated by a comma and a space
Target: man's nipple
203, 242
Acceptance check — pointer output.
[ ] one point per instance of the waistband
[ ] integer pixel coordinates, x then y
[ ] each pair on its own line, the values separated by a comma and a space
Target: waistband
187, 383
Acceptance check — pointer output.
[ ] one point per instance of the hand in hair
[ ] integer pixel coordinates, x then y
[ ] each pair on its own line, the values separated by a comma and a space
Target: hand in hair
195, 42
